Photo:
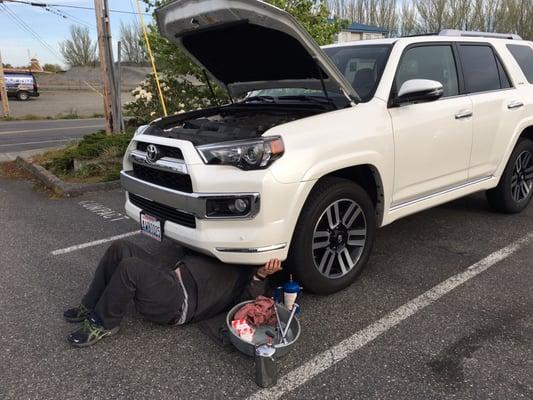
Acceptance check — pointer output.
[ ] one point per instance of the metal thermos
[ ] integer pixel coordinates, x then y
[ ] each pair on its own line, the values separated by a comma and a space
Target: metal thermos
266, 372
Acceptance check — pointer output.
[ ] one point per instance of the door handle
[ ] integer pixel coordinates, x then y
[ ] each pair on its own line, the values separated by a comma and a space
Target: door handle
464, 114
515, 104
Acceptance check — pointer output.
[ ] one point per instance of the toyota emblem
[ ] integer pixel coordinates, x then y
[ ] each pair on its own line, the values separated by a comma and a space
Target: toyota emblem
152, 153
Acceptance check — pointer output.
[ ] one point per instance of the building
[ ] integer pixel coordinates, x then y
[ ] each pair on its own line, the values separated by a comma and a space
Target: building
357, 31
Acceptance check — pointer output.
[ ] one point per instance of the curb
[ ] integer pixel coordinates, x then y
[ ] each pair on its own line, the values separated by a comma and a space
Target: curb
58, 186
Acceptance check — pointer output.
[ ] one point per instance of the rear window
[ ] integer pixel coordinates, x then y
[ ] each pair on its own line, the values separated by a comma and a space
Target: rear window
524, 57
482, 69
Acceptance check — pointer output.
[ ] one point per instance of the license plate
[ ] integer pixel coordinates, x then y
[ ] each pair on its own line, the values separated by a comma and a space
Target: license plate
152, 227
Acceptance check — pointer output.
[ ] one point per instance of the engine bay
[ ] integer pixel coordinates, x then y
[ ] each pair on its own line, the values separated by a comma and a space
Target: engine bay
227, 124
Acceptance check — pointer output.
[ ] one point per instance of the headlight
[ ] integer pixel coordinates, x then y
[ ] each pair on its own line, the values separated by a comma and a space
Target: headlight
140, 130
244, 154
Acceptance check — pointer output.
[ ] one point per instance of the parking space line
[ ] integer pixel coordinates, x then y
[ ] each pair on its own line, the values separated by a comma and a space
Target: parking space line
95, 243
339, 352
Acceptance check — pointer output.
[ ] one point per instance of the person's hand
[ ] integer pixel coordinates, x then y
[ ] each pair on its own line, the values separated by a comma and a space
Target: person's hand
271, 267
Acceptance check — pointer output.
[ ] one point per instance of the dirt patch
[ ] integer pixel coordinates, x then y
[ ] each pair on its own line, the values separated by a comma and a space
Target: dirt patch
62, 104
12, 171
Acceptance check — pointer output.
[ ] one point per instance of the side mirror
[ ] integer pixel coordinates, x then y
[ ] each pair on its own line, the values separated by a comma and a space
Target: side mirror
418, 91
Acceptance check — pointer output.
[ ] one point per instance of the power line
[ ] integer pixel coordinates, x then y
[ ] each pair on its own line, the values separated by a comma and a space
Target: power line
36, 4
66, 15
21, 24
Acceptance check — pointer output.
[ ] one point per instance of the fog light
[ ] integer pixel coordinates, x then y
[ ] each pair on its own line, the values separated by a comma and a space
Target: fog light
240, 205
227, 208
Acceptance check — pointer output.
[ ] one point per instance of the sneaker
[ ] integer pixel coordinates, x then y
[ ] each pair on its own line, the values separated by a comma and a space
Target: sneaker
77, 314
89, 333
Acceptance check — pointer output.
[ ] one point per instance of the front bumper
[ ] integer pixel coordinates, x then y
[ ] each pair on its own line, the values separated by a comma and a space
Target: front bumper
190, 203
251, 239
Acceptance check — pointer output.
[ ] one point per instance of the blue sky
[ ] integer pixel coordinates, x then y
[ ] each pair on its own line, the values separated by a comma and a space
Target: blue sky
15, 42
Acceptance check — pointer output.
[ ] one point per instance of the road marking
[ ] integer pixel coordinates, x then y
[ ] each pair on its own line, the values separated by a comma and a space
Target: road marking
42, 141
66, 128
339, 352
91, 244
103, 211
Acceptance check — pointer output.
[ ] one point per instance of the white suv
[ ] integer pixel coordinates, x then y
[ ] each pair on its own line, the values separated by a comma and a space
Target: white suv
319, 147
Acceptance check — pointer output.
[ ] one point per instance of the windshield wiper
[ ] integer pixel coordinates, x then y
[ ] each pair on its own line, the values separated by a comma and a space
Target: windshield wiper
261, 99
313, 99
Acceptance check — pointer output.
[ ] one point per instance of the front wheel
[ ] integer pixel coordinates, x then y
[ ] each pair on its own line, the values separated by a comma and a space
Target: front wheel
515, 190
23, 96
333, 237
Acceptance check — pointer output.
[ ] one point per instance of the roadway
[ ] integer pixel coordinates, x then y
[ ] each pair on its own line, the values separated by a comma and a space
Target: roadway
29, 136
443, 311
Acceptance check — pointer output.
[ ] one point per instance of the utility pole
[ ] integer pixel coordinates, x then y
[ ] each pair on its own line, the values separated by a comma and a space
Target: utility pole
3, 90
118, 77
104, 53
115, 106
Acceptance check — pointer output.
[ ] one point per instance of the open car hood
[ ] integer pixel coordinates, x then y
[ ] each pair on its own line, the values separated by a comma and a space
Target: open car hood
247, 45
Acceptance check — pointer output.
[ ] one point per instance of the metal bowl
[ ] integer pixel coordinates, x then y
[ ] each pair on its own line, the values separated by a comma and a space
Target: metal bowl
260, 336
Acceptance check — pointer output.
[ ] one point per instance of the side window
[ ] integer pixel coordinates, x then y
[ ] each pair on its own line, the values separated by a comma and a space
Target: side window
524, 57
436, 63
504, 79
482, 70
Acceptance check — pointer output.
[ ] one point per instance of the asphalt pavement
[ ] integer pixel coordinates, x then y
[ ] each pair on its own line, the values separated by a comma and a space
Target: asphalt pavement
443, 311
24, 136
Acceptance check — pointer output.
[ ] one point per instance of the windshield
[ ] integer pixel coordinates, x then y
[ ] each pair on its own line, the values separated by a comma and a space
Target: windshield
362, 65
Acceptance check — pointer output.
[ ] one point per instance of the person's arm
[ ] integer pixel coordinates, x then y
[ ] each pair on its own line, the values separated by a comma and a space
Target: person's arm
258, 284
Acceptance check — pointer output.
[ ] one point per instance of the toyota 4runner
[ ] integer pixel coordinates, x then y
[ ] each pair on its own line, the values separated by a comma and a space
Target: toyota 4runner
319, 147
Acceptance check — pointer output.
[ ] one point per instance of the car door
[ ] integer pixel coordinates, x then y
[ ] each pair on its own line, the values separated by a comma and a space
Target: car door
497, 106
432, 140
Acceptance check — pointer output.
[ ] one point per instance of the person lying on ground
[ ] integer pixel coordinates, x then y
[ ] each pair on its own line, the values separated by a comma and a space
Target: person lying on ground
194, 288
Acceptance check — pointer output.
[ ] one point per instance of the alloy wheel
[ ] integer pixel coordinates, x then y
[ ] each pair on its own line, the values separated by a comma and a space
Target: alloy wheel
339, 238
522, 179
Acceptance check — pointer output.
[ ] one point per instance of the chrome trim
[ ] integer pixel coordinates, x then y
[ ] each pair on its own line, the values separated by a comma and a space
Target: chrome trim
191, 203
252, 249
395, 207
163, 164
515, 104
464, 114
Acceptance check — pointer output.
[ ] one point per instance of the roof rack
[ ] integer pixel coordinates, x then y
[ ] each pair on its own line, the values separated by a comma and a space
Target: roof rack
420, 34
456, 32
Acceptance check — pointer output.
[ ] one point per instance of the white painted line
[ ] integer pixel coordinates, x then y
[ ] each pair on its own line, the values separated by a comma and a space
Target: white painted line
38, 142
95, 243
339, 352
68, 128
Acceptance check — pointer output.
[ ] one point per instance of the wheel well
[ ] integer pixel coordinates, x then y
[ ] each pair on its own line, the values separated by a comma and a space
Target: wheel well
527, 133
367, 176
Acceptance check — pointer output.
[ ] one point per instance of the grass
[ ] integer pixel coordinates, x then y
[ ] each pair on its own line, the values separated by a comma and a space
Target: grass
99, 155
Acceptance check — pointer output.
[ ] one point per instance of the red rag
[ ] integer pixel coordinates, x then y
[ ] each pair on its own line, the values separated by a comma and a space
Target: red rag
260, 312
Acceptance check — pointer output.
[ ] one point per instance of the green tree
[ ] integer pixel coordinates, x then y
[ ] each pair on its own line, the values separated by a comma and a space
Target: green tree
183, 82
52, 67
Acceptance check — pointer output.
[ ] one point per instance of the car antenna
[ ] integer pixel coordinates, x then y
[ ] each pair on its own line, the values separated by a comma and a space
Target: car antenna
215, 98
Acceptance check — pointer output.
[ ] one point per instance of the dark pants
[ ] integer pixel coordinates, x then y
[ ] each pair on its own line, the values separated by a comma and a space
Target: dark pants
126, 273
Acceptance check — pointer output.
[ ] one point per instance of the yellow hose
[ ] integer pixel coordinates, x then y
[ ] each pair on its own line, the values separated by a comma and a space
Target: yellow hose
149, 49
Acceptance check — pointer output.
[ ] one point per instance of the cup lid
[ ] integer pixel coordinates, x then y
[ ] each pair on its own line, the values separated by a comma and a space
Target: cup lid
265, 351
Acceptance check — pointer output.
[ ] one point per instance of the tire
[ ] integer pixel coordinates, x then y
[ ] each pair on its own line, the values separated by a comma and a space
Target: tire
316, 235
23, 96
515, 190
